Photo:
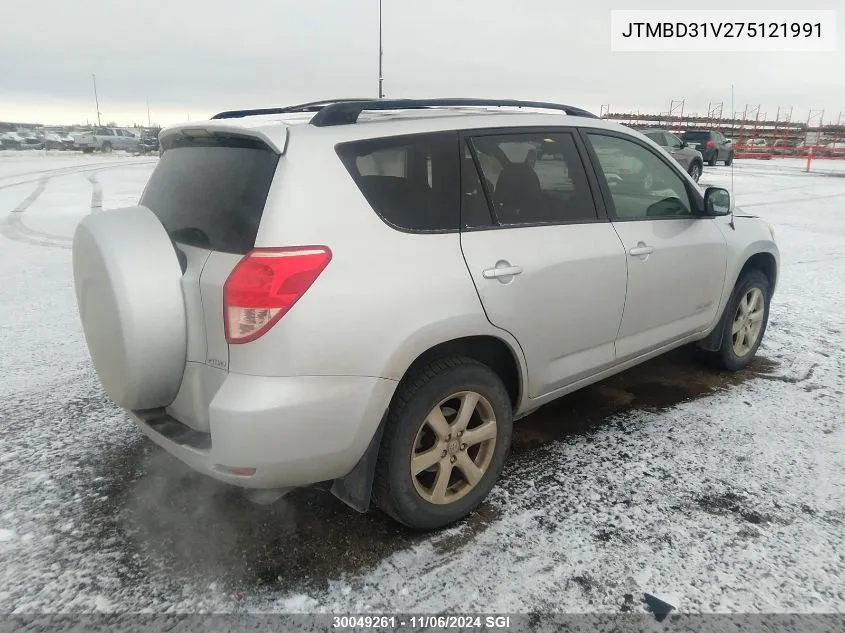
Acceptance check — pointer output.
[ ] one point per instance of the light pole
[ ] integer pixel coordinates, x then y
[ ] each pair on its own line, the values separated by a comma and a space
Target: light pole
380, 55
96, 99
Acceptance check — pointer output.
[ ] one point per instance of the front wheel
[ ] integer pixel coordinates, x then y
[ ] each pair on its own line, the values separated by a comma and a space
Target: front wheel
695, 171
747, 316
106, 148
447, 437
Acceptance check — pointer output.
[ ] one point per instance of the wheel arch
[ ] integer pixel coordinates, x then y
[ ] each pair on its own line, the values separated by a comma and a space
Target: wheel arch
766, 263
762, 260
503, 357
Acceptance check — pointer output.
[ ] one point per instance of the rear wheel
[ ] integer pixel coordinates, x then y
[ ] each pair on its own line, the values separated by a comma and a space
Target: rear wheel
695, 171
106, 148
730, 159
747, 315
447, 437
712, 160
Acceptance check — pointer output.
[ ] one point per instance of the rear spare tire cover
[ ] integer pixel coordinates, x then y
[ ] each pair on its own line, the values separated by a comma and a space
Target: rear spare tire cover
129, 294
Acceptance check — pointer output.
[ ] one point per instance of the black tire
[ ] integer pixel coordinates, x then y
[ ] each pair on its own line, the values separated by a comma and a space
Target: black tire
695, 170
726, 357
712, 160
106, 148
87, 150
417, 395
730, 159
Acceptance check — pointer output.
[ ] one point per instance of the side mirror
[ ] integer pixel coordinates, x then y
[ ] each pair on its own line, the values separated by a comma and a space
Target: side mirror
717, 201
684, 144
728, 141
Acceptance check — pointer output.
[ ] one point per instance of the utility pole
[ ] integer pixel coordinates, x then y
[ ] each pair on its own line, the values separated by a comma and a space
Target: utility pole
380, 55
96, 99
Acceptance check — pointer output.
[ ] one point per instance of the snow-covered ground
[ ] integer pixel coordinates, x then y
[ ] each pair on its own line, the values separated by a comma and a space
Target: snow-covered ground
715, 493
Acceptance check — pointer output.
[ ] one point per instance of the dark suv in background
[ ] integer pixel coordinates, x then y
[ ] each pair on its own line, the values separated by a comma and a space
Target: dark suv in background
148, 141
712, 145
688, 158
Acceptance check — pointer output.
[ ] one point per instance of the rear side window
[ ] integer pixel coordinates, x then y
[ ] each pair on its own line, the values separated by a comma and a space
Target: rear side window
211, 192
535, 178
412, 182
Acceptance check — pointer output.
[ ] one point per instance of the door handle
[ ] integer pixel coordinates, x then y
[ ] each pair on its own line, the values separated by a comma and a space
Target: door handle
641, 250
501, 271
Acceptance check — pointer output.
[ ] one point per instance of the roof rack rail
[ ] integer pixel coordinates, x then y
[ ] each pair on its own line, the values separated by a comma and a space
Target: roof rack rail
311, 106
346, 112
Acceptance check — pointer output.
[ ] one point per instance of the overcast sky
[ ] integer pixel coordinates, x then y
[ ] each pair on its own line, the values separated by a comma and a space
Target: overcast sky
192, 59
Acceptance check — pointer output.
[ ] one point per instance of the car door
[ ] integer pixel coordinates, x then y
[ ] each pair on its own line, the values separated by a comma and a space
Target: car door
547, 265
676, 260
130, 141
119, 140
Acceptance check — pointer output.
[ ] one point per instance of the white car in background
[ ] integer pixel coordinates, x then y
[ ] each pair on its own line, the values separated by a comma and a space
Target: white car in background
107, 140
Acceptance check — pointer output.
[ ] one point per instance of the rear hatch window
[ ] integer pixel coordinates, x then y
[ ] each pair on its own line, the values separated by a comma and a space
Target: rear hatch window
210, 192
696, 136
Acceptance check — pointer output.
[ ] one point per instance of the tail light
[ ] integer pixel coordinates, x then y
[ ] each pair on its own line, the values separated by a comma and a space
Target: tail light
265, 284
709, 145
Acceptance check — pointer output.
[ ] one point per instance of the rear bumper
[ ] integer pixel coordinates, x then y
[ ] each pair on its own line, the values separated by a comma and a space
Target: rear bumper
293, 431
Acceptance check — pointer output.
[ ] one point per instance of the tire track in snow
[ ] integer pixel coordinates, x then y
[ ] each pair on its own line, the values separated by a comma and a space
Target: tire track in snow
13, 227
53, 172
69, 171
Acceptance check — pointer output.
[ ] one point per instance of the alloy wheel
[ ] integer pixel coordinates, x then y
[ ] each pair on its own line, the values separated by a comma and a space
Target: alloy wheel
453, 447
748, 321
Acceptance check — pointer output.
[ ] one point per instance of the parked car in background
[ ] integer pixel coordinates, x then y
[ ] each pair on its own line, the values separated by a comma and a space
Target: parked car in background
557, 249
688, 158
58, 140
107, 139
713, 145
9, 141
148, 142
26, 139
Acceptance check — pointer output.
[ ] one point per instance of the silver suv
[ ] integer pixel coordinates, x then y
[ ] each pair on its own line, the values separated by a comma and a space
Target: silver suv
367, 294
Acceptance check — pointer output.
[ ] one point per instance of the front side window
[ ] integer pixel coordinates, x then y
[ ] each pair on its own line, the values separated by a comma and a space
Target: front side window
657, 137
534, 178
412, 182
673, 141
641, 185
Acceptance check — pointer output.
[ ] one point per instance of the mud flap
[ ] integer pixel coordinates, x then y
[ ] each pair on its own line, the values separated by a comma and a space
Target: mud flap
356, 488
713, 341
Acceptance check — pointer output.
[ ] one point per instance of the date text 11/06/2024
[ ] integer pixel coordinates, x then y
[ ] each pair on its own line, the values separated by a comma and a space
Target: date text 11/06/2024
353, 622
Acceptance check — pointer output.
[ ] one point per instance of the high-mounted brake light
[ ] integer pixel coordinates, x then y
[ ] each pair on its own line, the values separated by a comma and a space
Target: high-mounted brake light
265, 284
